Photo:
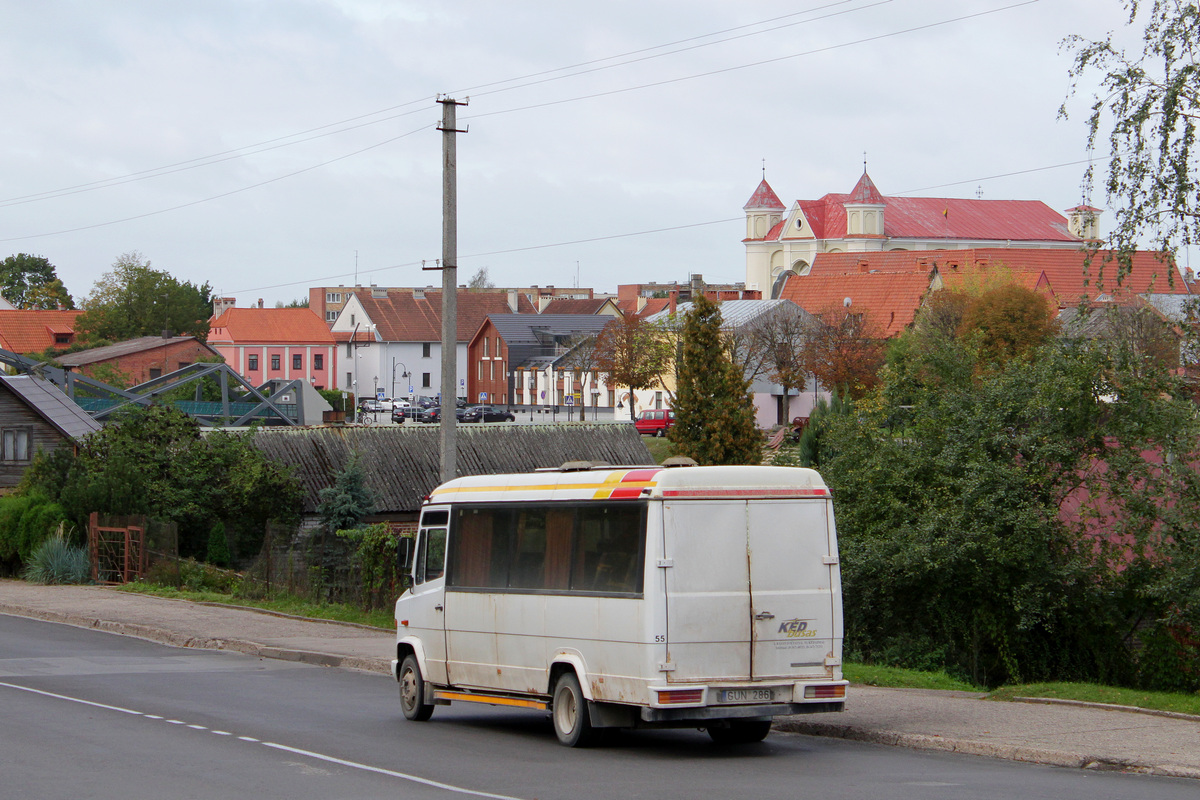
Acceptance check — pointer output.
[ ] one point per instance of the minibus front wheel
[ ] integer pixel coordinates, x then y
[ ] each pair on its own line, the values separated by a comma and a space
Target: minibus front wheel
412, 691
572, 723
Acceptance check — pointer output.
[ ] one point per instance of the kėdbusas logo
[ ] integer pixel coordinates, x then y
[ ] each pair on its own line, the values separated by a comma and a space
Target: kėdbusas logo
795, 628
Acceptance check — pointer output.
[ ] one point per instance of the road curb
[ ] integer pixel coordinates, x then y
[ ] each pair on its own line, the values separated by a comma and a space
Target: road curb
1034, 755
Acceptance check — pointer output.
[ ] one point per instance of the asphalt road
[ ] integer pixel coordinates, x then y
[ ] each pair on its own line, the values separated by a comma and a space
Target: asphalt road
90, 714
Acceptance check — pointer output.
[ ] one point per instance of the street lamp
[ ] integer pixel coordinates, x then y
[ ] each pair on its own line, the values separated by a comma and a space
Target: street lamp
403, 374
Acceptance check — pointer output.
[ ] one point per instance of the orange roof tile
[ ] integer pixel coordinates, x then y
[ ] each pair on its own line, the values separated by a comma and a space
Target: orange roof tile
1063, 267
268, 326
32, 331
889, 299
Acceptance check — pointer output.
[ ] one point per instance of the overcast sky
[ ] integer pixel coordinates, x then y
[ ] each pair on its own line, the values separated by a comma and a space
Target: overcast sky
259, 145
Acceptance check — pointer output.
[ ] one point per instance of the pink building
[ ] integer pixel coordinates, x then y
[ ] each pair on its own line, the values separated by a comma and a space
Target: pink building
264, 344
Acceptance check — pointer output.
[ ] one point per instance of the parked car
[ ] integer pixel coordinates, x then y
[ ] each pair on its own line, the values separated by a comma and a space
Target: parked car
373, 406
655, 421
486, 414
399, 413
423, 414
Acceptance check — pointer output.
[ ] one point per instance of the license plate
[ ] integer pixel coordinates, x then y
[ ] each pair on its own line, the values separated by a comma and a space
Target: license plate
747, 696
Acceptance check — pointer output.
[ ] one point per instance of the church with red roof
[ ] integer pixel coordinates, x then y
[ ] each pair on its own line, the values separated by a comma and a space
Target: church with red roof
782, 241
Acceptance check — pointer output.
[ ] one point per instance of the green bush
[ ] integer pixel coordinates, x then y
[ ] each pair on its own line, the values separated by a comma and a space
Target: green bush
192, 576
25, 522
57, 561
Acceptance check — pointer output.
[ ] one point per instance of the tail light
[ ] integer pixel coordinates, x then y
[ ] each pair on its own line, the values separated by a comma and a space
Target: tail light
824, 692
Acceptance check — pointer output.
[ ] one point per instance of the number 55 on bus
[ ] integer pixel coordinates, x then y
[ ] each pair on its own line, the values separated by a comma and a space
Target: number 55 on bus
636, 597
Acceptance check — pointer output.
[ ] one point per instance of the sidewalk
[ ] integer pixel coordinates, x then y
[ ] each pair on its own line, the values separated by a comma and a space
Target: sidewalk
1063, 735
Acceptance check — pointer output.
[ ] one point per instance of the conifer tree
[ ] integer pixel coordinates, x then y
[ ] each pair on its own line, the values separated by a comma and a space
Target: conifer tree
714, 412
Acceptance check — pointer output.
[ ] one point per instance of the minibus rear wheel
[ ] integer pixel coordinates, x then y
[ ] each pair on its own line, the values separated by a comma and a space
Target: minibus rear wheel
572, 724
412, 691
741, 731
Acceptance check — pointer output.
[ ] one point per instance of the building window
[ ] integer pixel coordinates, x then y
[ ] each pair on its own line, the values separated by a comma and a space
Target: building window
425, 349
275, 362
485, 347
497, 346
333, 297
330, 316
349, 381
351, 319
319, 361
16, 444
252, 363
62, 338
349, 352
297, 361
155, 372
479, 369
658, 399
181, 365
491, 370
424, 380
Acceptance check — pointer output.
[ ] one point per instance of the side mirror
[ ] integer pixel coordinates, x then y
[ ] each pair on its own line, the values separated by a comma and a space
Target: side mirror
404, 555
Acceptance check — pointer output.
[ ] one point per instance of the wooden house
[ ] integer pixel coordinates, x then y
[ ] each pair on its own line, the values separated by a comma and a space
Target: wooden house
35, 415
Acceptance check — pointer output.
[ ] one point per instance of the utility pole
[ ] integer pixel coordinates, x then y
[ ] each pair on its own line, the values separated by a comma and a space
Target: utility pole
449, 129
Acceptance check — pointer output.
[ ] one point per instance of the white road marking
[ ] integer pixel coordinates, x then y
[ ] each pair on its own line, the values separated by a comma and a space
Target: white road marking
449, 787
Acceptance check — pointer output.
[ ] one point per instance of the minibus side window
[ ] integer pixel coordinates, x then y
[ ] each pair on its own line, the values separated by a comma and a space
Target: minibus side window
481, 547
431, 555
610, 550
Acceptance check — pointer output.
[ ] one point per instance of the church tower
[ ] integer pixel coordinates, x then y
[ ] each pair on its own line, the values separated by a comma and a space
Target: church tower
763, 210
864, 216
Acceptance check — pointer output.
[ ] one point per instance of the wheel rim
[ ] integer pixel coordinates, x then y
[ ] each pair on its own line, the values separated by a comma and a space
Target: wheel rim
408, 690
566, 711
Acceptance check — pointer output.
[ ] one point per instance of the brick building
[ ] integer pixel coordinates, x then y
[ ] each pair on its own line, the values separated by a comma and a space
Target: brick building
141, 359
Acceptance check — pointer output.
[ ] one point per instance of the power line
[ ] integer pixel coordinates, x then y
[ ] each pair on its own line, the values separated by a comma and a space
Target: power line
763, 62
502, 252
710, 73
216, 196
323, 130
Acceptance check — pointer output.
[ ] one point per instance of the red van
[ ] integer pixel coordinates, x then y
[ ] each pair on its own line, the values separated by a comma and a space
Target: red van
655, 421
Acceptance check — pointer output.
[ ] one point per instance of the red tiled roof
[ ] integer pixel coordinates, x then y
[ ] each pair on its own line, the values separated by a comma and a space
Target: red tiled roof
572, 306
32, 331
401, 317
889, 299
764, 197
1063, 268
268, 325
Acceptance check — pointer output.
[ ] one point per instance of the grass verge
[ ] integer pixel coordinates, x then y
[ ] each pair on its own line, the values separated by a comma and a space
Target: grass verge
285, 604
897, 678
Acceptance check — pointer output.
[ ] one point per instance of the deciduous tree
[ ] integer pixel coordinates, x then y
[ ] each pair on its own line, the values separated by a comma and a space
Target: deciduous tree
133, 299
1146, 111
633, 352
29, 281
845, 351
777, 340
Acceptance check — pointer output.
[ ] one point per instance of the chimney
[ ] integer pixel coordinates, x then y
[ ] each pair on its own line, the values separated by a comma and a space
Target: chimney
418, 294
864, 265
260, 302
513, 302
544, 301
222, 304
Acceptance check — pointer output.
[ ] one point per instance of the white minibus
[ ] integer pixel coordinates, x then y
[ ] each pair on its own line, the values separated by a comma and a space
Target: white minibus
632, 597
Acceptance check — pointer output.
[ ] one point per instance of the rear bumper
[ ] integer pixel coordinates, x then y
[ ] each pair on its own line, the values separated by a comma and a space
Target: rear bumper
736, 712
